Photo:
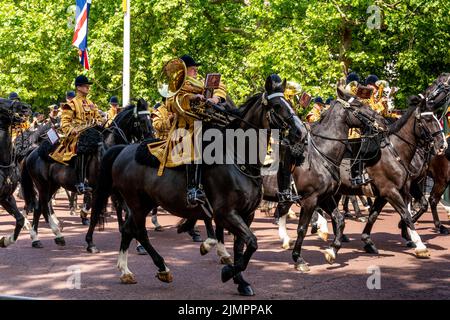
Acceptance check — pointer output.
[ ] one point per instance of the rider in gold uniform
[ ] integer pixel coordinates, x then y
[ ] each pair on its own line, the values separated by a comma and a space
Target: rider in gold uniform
77, 115
182, 131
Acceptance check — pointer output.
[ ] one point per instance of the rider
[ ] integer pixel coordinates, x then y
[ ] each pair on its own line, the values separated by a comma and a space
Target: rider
162, 121
191, 92
18, 128
76, 115
113, 110
285, 194
314, 114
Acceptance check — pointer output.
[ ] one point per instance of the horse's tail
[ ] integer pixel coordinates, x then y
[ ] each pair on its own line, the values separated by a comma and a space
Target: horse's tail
27, 187
103, 189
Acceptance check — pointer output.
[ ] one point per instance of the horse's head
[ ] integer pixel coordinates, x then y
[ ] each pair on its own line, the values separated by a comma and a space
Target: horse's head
142, 125
279, 112
134, 122
427, 128
358, 114
438, 94
13, 111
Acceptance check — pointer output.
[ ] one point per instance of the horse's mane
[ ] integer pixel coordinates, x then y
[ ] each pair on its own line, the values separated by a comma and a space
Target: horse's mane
413, 102
124, 113
243, 109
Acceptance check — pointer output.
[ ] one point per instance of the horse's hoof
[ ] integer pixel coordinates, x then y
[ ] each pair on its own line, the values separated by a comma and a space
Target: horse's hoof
60, 241
410, 244
2, 242
443, 230
245, 290
159, 229
128, 279
92, 249
165, 276
370, 248
362, 219
344, 238
322, 235
72, 212
330, 256
37, 244
227, 272
286, 245
203, 250
226, 260
302, 267
422, 253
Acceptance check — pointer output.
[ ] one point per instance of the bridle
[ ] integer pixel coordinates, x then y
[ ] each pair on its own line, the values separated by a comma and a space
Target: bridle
137, 115
284, 124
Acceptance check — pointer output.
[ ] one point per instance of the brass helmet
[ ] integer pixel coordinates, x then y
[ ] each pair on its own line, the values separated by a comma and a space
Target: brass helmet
292, 93
172, 78
292, 89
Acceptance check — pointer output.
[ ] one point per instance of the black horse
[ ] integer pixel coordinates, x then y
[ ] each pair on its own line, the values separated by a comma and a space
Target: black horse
234, 191
133, 123
11, 113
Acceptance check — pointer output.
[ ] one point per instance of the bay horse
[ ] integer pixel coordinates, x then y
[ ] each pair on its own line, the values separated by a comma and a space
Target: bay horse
133, 123
318, 178
439, 170
11, 113
234, 191
393, 174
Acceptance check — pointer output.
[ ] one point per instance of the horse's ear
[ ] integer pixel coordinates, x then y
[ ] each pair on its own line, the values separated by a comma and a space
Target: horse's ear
269, 85
340, 93
142, 103
283, 85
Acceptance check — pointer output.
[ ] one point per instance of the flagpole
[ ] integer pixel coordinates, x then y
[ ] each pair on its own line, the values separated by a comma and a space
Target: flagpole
126, 53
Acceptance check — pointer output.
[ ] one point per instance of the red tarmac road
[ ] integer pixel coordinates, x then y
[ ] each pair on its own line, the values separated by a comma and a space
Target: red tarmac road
44, 273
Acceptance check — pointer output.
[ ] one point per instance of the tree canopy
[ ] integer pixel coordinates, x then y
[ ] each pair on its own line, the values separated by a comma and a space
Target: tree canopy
311, 42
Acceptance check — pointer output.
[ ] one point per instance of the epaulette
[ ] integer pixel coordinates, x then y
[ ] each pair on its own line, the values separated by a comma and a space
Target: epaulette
67, 106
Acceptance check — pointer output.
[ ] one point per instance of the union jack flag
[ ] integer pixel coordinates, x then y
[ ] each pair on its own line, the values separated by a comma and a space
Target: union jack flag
81, 31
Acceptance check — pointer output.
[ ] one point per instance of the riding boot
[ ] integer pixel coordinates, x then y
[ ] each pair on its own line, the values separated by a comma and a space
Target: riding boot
356, 178
80, 168
285, 194
195, 193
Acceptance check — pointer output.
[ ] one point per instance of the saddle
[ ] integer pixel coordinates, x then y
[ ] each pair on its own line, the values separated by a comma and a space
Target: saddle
88, 143
145, 158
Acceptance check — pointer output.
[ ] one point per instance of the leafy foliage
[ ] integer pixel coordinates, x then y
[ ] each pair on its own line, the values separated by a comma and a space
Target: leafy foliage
311, 42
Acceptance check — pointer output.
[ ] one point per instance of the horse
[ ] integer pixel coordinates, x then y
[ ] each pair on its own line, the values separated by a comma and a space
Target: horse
392, 174
11, 113
438, 169
233, 198
133, 123
317, 179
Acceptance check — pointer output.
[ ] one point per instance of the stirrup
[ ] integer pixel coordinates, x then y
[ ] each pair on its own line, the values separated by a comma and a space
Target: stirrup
360, 180
195, 196
287, 196
83, 188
